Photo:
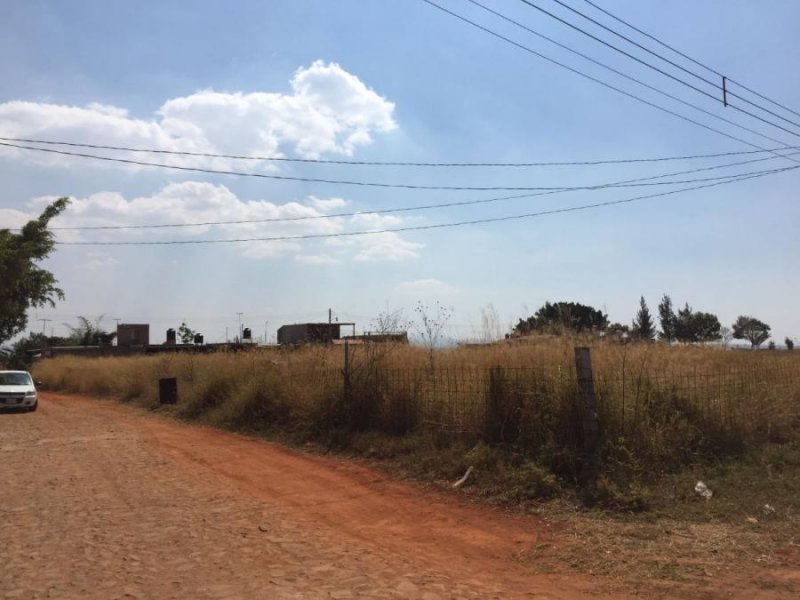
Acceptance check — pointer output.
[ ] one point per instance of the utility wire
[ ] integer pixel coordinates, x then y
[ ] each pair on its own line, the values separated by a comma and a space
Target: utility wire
666, 73
733, 179
328, 181
730, 93
403, 186
418, 208
638, 45
595, 79
625, 75
406, 163
689, 58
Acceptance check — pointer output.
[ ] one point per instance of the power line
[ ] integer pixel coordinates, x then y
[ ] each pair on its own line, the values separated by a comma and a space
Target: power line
625, 75
328, 181
403, 186
728, 92
430, 206
732, 179
407, 163
689, 58
594, 79
662, 71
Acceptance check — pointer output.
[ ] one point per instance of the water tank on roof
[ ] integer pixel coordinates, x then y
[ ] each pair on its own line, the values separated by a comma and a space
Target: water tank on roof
198, 339
247, 334
171, 336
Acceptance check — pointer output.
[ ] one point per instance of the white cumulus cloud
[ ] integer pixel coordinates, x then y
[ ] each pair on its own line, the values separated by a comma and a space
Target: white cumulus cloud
329, 111
196, 210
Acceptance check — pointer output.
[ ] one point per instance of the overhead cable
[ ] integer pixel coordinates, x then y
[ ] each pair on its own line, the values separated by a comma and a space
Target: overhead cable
424, 207
689, 58
595, 79
315, 180
625, 75
666, 73
580, 163
733, 179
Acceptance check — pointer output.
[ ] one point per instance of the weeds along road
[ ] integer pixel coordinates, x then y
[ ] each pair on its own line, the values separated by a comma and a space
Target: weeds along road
100, 500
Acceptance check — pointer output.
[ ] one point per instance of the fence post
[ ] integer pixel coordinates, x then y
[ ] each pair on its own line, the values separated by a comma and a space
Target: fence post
591, 422
346, 372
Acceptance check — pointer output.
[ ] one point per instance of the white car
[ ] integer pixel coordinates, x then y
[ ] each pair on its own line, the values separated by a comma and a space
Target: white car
17, 390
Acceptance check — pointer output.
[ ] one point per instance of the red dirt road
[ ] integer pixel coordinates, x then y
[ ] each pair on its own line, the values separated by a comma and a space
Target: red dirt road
100, 500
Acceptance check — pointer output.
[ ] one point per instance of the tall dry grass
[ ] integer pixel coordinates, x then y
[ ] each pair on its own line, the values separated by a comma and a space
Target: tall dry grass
660, 407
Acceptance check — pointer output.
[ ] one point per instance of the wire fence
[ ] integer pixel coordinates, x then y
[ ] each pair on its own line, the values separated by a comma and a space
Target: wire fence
531, 406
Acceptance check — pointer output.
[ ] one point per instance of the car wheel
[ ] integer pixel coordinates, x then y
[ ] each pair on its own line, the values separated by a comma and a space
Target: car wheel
33, 408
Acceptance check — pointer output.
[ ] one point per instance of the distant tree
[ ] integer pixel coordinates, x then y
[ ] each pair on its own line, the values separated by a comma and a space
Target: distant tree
789, 343
643, 327
23, 284
771, 345
563, 316
186, 334
726, 335
390, 321
693, 327
20, 355
87, 333
683, 324
751, 329
618, 331
705, 327
667, 318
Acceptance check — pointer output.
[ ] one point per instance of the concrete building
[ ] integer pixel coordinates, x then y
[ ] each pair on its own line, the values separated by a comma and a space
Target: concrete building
133, 334
309, 333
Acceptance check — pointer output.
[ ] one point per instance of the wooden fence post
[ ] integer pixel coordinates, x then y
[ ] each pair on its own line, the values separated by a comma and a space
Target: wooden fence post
346, 372
591, 422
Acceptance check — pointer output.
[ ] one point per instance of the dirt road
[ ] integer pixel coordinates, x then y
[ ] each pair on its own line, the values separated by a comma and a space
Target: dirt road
100, 500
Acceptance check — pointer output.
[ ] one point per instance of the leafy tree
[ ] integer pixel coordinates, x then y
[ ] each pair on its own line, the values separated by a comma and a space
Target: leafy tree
24, 284
667, 318
705, 327
20, 355
186, 334
751, 329
683, 327
643, 327
563, 316
691, 326
88, 333
789, 343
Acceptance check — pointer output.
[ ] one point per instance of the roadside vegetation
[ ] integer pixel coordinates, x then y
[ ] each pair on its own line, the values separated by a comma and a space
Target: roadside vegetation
512, 415
511, 410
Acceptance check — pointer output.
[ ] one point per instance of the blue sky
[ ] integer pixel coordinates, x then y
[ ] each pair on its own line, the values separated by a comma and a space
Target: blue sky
393, 81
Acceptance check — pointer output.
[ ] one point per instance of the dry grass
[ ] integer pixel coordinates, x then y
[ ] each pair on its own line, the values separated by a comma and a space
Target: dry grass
661, 408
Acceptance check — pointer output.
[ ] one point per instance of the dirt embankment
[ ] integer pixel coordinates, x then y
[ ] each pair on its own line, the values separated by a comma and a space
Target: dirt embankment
101, 500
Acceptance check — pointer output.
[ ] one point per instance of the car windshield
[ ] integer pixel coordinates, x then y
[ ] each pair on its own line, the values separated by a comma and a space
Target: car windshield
15, 379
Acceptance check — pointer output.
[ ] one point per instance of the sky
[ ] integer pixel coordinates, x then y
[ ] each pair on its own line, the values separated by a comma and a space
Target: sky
399, 82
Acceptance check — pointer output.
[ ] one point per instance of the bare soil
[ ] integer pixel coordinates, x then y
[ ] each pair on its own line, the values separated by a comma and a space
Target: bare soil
102, 500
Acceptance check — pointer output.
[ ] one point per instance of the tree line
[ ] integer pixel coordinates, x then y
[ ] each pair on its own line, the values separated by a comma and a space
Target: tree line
686, 325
